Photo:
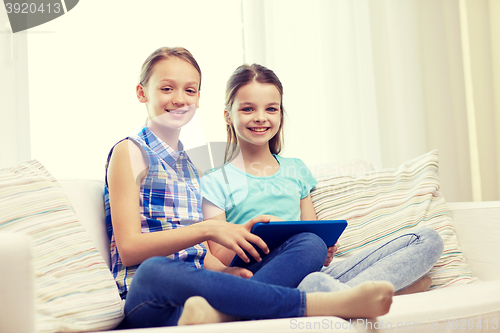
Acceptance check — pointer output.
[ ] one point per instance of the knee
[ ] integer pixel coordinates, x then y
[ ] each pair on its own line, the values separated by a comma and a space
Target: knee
311, 243
435, 244
147, 269
150, 265
158, 270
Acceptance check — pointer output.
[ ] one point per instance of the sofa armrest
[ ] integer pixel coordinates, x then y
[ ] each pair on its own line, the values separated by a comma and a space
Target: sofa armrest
478, 229
17, 284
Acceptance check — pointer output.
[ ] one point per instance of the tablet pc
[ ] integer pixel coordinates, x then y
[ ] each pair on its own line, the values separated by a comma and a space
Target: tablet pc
277, 232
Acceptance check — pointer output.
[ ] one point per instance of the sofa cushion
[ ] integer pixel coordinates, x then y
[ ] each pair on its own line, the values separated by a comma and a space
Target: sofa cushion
86, 197
73, 286
379, 205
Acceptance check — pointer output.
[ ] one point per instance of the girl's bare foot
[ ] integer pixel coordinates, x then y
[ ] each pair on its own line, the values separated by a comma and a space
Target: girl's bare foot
367, 300
417, 287
198, 311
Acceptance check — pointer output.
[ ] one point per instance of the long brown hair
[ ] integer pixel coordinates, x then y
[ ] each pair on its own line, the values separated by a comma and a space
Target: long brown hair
242, 76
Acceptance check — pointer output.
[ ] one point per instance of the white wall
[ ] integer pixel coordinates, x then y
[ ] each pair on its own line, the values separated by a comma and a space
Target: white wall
385, 81
84, 67
14, 107
378, 80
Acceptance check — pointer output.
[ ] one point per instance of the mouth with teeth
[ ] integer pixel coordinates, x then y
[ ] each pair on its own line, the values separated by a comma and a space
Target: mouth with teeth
258, 129
177, 111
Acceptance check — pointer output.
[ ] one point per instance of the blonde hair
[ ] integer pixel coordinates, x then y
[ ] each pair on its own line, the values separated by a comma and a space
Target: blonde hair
242, 76
164, 53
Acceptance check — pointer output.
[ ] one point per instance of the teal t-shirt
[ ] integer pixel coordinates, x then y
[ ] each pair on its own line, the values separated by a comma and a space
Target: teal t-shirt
244, 196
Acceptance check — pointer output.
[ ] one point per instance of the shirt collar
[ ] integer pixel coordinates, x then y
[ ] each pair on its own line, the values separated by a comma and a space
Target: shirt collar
164, 151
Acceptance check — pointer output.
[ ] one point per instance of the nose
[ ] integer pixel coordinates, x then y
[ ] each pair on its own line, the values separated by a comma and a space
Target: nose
260, 116
178, 99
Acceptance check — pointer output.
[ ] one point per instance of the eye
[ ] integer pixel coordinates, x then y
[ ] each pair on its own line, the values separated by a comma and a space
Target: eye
271, 109
191, 91
247, 109
167, 89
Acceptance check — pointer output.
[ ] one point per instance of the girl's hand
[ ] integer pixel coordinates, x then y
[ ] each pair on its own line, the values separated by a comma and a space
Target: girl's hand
236, 237
238, 271
260, 218
214, 264
331, 253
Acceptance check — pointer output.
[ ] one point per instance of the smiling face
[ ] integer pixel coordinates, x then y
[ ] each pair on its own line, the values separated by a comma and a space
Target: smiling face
171, 94
255, 114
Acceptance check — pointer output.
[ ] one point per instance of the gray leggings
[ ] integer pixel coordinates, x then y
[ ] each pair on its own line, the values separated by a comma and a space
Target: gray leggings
401, 261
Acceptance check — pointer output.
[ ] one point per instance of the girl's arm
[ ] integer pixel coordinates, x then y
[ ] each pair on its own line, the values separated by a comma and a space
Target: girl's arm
223, 254
307, 212
133, 245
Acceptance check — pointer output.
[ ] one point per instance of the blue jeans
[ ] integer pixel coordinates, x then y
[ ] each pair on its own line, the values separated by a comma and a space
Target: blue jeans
401, 261
161, 286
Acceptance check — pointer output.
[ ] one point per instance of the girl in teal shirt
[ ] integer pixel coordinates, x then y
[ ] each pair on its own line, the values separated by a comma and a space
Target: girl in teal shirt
255, 180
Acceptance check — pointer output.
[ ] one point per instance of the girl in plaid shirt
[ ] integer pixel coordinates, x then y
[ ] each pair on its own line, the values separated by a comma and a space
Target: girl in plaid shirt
158, 236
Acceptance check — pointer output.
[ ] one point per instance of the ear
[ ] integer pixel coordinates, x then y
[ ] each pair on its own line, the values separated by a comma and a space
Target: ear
141, 96
227, 117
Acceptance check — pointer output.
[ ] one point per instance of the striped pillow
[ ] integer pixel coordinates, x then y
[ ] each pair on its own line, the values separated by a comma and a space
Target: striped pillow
74, 288
380, 205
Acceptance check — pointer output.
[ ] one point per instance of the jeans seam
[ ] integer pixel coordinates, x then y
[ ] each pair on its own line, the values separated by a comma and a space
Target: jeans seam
139, 306
143, 304
369, 254
303, 304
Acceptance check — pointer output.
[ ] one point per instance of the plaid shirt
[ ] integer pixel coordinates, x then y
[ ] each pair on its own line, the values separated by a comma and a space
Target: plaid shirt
170, 198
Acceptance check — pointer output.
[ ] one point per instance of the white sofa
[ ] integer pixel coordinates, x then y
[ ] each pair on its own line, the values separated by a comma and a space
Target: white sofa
473, 307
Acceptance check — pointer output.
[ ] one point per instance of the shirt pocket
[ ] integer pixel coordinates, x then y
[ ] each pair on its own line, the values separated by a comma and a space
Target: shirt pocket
158, 199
